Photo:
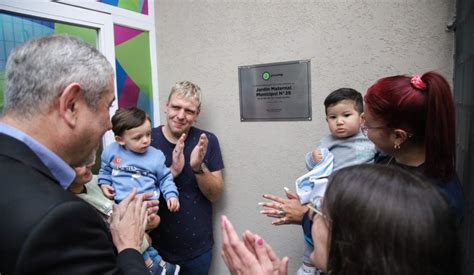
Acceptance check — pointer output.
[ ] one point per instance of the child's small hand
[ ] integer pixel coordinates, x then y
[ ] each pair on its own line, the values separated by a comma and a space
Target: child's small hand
153, 222
173, 204
147, 237
108, 191
317, 156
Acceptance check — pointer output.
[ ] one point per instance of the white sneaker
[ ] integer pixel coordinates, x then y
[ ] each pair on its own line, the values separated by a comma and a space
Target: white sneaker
307, 270
170, 269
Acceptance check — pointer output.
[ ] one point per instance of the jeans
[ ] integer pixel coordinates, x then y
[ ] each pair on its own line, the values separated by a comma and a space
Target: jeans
197, 266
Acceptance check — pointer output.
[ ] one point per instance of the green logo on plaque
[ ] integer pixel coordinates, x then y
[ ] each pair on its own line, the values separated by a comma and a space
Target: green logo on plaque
266, 76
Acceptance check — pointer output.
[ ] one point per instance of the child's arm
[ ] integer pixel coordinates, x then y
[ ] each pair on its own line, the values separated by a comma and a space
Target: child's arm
153, 221
317, 156
108, 191
105, 174
313, 158
173, 204
166, 184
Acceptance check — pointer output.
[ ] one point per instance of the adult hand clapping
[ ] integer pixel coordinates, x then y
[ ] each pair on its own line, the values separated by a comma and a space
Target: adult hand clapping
250, 256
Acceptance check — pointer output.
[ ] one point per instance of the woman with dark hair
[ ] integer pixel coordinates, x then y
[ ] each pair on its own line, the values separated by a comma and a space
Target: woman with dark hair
411, 120
387, 221
374, 219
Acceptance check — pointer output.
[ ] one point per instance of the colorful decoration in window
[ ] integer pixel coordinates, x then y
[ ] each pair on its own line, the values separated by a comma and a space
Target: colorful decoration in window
140, 6
133, 66
16, 29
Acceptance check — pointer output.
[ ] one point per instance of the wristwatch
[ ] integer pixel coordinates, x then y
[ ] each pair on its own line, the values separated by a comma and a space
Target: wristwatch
202, 169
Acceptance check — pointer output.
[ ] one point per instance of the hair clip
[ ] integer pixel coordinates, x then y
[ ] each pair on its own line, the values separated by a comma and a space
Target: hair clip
418, 83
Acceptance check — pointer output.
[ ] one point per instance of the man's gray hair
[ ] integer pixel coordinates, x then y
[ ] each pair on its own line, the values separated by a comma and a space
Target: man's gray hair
39, 70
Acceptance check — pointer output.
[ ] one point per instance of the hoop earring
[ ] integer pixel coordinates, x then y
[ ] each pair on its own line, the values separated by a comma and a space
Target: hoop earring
396, 146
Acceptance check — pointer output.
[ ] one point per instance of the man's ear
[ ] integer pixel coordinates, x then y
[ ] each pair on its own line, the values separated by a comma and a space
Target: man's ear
119, 140
68, 103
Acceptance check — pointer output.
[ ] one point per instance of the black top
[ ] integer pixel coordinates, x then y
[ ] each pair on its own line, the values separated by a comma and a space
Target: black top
450, 189
186, 234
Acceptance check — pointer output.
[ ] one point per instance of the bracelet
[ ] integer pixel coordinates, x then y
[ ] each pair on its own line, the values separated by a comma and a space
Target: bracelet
202, 169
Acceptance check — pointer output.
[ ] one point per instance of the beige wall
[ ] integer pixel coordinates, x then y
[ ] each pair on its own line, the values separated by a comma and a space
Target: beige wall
350, 43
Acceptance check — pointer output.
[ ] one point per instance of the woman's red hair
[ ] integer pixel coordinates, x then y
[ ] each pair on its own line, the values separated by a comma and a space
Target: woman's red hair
428, 115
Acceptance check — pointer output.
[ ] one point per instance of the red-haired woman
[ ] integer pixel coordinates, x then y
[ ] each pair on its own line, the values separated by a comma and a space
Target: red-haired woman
412, 122
411, 119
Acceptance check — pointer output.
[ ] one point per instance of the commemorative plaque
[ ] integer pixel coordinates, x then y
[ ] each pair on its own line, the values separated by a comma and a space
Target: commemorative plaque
275, 91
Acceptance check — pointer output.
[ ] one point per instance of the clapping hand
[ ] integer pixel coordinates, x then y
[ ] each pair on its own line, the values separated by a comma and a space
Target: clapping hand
252, 256
198, 153
178, 157
128, 221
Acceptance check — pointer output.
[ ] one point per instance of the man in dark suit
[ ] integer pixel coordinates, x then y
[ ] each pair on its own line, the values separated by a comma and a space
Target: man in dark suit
57, 98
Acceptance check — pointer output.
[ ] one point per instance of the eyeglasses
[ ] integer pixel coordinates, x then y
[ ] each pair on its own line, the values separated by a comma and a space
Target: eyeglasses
364, 128
316, 208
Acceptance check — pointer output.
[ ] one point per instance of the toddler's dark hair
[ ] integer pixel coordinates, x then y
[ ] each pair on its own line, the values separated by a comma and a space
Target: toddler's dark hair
128, 118
344, 94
